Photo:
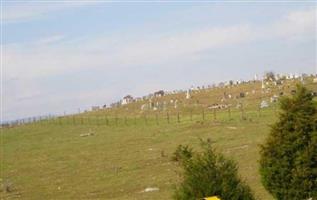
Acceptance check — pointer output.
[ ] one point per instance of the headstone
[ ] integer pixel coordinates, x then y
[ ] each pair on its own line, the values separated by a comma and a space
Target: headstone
188, 95
274, 98
264, 104
263, 85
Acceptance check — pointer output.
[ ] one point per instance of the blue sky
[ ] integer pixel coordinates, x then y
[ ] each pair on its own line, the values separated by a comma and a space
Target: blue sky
60, 56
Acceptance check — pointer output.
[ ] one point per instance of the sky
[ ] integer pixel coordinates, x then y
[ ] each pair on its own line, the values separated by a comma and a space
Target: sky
61, 56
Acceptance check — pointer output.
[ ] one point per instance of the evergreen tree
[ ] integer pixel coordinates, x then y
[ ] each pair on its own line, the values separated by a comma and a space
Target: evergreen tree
288, 163
210, 174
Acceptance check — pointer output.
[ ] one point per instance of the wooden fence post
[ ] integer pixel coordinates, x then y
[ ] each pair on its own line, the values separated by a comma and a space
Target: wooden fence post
203, 113
191, 115
178, 119
242, 112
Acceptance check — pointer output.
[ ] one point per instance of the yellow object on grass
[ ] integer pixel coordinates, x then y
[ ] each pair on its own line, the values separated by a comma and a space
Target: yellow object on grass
211, 198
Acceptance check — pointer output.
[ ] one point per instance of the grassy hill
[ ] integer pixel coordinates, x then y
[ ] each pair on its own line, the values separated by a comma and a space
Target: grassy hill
117, 153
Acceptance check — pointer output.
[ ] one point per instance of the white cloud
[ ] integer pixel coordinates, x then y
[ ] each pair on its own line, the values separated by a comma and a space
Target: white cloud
296, 24
50, 40
29, 10
39, 59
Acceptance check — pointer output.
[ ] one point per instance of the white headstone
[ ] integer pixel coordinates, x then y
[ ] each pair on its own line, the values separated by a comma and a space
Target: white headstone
264, 104
263, 85
188, 95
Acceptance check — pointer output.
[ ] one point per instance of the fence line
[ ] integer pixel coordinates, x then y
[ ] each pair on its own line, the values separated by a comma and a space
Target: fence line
155, 118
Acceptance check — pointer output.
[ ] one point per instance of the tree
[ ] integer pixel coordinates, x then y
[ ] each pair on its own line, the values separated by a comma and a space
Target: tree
182, 153
210, 174
288, 163
269, 76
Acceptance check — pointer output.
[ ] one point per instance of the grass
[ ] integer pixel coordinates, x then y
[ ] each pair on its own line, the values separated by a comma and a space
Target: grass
47, 160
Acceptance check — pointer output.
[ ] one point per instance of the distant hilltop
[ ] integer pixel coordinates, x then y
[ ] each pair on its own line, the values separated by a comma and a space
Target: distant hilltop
267, 79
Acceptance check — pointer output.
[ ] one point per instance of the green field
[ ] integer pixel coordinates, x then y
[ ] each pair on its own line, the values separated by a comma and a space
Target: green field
130, 150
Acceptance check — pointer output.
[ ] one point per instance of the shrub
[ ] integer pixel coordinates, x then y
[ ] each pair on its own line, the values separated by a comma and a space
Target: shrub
182, 153
210, 174
288, 163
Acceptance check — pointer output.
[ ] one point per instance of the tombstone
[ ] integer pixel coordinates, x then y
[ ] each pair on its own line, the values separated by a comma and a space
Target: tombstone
213, 106
264, 104
144, 107
296, 76
263, 85
188, 95
274, 98
175, 104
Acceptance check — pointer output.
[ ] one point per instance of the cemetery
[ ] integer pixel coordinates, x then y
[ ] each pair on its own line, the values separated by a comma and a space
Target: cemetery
109, 148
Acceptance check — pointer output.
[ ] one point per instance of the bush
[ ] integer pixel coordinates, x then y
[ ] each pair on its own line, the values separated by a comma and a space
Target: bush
182, 153
210, 174
288, 163
269, 76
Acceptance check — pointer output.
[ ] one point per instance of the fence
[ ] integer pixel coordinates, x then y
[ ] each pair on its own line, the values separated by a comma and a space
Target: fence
152, 118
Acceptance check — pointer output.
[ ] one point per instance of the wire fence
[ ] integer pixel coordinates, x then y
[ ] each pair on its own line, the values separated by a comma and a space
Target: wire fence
149, 118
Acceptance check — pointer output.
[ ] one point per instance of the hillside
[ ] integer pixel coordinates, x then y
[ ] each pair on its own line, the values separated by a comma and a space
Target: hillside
116, 153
